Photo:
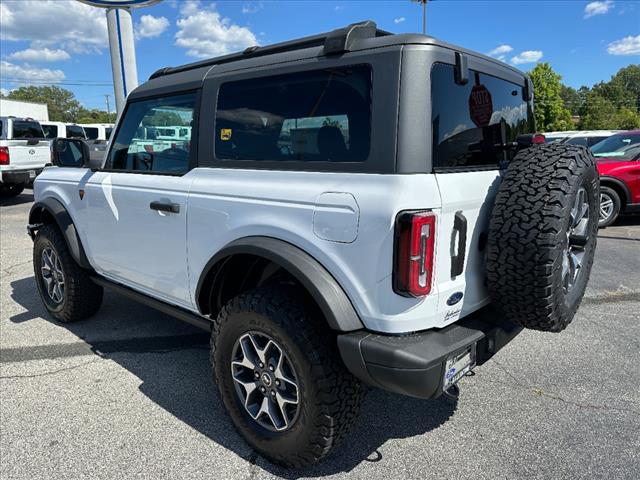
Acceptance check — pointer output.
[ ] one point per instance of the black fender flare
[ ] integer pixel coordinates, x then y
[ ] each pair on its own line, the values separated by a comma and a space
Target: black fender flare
604, 180
64, 221
321, 285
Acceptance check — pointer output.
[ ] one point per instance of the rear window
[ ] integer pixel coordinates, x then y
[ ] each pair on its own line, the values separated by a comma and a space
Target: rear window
477, 124
318, 116
75, 131
27, 129
50, 131
91, 132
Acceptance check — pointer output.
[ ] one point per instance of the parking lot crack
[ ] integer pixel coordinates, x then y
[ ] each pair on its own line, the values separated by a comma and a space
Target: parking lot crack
51, 372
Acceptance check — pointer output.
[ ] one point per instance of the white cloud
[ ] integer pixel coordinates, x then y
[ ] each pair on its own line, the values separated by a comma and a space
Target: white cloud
399, 20
528, 56
9, 71
67, 24
205, 33
626, 46
500, 52
4, 92
250, 8
597, 8
40, 55
150, 26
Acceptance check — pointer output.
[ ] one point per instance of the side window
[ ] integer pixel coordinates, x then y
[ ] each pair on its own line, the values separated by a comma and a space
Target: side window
146, 140
317, 116
578, 141
477, 124
92, 133
50, 131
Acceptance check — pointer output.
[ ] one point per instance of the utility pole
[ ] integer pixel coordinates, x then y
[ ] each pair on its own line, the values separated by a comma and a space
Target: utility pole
106, 97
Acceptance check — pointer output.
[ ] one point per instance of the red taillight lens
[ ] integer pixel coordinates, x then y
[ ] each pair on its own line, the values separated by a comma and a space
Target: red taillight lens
4, 156
414, 252
538, 139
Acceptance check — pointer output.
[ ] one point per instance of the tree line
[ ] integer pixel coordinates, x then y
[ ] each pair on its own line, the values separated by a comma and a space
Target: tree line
62, 104
612, 105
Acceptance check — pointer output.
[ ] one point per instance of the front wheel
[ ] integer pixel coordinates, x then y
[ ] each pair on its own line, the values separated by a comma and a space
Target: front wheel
281, 378
609, 206
65, 288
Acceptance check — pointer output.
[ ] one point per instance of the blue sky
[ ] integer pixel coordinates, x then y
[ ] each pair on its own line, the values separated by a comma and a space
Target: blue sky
64, 41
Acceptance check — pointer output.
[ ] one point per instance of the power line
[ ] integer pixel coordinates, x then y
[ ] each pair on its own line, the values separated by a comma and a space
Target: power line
78, 83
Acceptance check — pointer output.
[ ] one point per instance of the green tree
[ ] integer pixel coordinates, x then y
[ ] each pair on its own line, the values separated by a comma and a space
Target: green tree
572, 98
95, 116
550, 111
62, 104
163, 119
627, 119
598, 113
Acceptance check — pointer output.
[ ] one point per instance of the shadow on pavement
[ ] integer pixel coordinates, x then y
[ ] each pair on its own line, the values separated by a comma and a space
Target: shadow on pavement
179, 380
24, 197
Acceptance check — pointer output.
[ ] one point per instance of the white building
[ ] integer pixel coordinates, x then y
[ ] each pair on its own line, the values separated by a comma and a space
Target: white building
19, 108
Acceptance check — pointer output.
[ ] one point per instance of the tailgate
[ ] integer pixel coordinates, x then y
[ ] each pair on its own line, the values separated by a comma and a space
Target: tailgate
24, 157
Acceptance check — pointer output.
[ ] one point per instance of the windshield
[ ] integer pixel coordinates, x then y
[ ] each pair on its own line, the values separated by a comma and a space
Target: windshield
26, 129
623, 147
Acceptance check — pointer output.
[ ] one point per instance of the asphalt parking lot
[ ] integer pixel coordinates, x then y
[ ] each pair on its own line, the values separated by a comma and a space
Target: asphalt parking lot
128, 393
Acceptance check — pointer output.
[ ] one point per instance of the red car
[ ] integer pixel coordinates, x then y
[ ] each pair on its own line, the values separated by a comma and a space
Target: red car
619, 166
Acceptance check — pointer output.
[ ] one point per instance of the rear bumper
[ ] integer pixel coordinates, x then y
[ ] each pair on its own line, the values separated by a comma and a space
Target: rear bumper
15, 177
414, 364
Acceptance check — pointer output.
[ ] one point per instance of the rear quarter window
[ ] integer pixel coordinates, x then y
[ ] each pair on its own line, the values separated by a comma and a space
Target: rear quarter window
475, 125
317, 116
91, 132
27, 129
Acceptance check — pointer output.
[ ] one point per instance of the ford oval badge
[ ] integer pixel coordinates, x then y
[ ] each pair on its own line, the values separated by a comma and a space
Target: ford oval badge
455, 298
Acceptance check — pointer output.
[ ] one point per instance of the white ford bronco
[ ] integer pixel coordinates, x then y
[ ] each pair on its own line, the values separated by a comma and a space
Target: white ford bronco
347, 209
24, 152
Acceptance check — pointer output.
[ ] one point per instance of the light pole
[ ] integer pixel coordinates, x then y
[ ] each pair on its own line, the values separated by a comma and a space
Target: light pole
123, 53
424, 14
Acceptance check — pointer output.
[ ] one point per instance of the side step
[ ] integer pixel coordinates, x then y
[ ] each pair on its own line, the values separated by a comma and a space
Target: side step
176, 312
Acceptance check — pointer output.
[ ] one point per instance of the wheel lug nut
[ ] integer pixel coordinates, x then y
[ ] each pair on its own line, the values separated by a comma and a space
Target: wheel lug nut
262, 389
256, 374
278, 382
273, 393
271, 368
261, 365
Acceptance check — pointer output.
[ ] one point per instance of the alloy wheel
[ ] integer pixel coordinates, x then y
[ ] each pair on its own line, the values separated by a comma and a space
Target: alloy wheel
52, 274
577, 238
265, 381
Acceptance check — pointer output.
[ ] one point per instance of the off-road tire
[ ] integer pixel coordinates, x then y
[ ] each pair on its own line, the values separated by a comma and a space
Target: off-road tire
615, 198
528, 235
9, 191
330, 395
82, 298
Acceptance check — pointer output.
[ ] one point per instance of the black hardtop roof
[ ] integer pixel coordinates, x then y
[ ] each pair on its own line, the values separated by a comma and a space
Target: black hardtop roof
357, 36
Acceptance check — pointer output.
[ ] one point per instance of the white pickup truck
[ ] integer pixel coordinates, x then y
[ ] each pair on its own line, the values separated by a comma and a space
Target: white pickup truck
24, 152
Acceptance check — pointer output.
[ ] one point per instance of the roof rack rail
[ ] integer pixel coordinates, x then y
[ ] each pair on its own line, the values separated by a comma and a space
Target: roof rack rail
334, 42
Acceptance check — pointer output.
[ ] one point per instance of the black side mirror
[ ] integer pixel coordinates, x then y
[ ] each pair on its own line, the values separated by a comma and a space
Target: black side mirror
70, 152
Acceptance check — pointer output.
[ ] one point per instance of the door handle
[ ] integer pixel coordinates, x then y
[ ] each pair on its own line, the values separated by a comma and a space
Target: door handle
165, 207
457, 260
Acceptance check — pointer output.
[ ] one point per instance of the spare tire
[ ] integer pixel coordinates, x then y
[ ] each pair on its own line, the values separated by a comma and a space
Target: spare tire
542, 235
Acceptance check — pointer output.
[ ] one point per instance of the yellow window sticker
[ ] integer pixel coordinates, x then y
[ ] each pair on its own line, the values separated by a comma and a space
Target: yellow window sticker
225, 134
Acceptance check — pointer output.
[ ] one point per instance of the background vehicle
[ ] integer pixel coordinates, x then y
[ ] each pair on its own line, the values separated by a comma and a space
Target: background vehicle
619, 166
98, 135
63, 130
322, 239
586, 138
23, 153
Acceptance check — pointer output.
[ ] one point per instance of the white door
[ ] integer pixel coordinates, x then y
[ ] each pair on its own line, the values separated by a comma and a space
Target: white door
137, 205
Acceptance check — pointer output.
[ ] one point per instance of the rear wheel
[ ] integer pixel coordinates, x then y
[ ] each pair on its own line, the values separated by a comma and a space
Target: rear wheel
281, 378
65, 288
542, 235
609, 206
8, 191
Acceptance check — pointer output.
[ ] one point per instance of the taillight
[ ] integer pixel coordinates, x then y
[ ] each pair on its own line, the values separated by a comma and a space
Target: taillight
538, 139
4, 156
414, 252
